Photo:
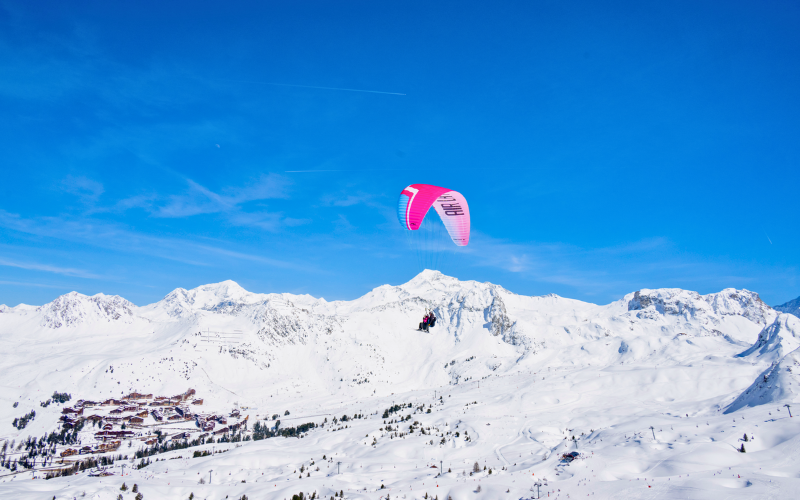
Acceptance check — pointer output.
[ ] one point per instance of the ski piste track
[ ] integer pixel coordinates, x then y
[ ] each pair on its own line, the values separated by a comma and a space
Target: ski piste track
507, 381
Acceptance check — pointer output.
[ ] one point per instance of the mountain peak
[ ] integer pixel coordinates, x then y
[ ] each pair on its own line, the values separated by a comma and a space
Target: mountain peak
73, 308
225, 288
430, 275
225, 295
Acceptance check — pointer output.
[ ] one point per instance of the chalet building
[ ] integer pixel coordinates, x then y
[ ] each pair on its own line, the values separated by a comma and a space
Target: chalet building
183, 397
108, 427
106, 435
112, 446
115, 420
157, 415
222, 420
235, 413
208, 426
142, 414
117, 411
85, 450
69, 452
181, 435
222, 430
73, 411
136, 420
175, 417
151, 442
136, 395
197, 401
94, 418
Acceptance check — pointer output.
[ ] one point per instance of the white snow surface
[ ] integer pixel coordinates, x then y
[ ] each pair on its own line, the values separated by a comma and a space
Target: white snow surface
657, 388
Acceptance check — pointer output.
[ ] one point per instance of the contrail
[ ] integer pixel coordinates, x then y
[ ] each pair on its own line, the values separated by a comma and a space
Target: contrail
301, 171
315, 87
765, 234
346, 170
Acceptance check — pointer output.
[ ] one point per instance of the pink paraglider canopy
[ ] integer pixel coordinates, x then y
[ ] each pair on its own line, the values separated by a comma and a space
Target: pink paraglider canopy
417, 199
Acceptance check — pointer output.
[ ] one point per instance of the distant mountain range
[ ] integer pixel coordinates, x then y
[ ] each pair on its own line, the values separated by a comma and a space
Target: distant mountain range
791, 307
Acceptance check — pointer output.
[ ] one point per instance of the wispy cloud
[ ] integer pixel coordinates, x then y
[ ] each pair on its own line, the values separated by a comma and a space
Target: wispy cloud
350, 199
34, 266
614, 270
38, 285
258, 258
342, 223
231, 202
87, 190
201, 200
118, 238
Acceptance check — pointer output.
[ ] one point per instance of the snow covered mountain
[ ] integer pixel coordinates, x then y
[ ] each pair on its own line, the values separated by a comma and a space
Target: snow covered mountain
538, 369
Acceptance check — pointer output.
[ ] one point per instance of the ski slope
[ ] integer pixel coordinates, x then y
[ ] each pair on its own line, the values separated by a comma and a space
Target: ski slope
657, 389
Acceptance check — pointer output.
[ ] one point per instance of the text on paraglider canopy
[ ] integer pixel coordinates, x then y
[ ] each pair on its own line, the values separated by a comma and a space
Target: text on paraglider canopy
452, 207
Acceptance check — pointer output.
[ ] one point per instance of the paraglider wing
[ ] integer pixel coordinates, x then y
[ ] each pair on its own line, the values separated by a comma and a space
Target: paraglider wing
417, 199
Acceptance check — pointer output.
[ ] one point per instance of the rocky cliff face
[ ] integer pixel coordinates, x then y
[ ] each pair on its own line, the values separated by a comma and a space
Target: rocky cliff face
693, 306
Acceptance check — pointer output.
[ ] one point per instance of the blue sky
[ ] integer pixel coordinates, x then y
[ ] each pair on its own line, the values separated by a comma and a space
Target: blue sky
603, 147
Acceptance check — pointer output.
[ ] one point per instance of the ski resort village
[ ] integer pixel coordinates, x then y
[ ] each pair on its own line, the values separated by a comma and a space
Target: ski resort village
217, 392
132, 418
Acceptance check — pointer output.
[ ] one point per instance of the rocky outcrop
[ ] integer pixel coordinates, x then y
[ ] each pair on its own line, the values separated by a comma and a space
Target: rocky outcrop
692, 305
